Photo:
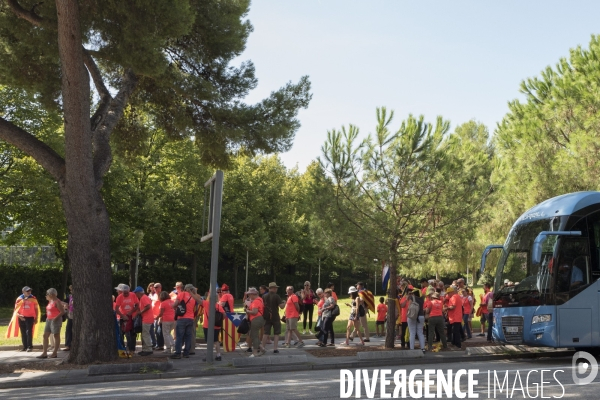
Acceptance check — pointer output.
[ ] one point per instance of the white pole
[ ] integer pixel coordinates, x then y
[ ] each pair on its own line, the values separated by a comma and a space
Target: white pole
375, 283
319, 283
246, 271
137, 264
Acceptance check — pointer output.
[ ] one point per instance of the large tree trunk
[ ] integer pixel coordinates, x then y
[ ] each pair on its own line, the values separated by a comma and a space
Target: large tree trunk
86, 215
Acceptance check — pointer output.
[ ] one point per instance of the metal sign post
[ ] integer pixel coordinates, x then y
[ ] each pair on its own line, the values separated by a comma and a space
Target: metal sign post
214, 229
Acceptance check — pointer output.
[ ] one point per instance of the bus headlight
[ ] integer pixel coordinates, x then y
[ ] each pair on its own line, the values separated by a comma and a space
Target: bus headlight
541, 318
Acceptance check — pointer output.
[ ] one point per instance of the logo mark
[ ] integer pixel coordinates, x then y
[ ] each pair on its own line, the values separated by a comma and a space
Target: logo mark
589, 366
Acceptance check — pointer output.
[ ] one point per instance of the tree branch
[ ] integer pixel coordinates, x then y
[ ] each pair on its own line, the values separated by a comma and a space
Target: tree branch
22, 13
29, 144
108, 118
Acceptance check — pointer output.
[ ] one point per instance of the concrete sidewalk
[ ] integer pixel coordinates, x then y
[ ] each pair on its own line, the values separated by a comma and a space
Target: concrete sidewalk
239, 362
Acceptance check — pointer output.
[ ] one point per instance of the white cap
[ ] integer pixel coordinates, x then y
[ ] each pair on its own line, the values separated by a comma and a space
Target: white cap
352, 290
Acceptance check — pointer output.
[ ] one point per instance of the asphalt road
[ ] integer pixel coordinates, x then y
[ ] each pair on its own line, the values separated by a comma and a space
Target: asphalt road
326, 384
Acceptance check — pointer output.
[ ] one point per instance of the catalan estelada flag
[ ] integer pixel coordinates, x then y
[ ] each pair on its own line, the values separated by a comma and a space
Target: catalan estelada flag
368, 298
385, 277
230, 334
13, 326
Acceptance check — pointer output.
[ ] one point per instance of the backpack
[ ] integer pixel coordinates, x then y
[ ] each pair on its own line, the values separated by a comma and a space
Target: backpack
413, 310
490, 303
181, 308
335, 311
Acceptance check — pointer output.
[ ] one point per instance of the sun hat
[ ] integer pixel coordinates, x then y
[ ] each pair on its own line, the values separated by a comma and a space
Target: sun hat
225, 287
352, 289
450, 290
252, 290
273, 284
26, 289
120, 286
138, 289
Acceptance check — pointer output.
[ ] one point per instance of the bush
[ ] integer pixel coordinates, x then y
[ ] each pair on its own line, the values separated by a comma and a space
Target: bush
39, 278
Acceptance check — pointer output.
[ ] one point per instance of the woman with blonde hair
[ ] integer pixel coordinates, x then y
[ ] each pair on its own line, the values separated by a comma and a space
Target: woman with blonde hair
354, 319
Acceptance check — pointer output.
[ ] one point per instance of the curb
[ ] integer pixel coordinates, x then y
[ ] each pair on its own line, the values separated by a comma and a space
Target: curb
109, 369
211, 371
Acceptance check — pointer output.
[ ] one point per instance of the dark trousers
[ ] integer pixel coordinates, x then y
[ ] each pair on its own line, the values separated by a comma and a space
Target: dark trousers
184, 331
466, 328
456, 334
26, 328
403, 329
490, 325
326, 329
308, 310
69, 333
160, 339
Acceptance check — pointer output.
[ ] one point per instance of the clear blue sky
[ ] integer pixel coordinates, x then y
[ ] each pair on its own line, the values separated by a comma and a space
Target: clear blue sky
462, 60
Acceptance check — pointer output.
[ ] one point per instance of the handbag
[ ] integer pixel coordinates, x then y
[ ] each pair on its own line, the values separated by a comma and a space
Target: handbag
283, 319
318, 325
335, 311
244, 326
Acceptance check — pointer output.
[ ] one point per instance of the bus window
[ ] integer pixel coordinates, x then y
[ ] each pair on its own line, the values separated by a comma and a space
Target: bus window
573, 271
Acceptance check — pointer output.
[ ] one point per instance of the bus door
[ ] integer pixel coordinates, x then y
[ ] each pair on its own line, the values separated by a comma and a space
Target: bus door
572, 275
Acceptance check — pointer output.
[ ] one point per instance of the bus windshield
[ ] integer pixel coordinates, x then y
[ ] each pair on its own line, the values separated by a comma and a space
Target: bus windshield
518, 282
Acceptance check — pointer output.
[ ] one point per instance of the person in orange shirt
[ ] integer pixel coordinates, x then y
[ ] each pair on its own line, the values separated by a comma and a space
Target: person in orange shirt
205, 304
255, 312
145, 311
455, 314
184, 327
54, 313
292, 315
331, 286
125, 306
434, 311
27, 316
226, 299
166, 319
404, 304
381, 315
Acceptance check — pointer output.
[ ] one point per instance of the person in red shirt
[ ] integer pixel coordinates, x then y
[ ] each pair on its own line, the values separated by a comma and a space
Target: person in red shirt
125, 306
292, 315
434, 308
205, 304
166, 320
467, 307
54, 313
145, 310
381, 315
255, 313
226, 299
404, 304
455, 314
185, 324
159, 341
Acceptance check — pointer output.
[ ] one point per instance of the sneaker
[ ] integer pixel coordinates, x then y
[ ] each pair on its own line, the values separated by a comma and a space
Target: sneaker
331, 345
244, 345
249, 350
186, 356
310, 333
295, 344
286, 345
276, 351
176, 357
304, 332
252, 356
23, 349
301, 344
262, 352
481, 335
30, 349
218, 358
351, 339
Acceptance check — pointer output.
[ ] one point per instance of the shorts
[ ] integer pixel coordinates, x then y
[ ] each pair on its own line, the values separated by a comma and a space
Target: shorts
216, 333
275, 324
484, 318
53, 326
291, 323
380, 323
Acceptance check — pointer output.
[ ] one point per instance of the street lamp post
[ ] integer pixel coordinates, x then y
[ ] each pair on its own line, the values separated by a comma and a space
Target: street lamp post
139, 236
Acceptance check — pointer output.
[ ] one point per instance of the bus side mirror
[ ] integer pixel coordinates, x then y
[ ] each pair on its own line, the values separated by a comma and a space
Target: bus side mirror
537, 249
486, 252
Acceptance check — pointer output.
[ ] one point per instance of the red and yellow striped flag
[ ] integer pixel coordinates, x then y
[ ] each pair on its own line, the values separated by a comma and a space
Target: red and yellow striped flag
368, 298
230, 334
13, 326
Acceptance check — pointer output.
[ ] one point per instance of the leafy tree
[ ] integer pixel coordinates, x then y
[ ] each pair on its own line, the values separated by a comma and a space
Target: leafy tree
171, 59
405, 192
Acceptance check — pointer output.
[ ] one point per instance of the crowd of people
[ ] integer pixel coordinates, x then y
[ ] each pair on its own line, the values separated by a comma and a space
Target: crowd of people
167, 320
